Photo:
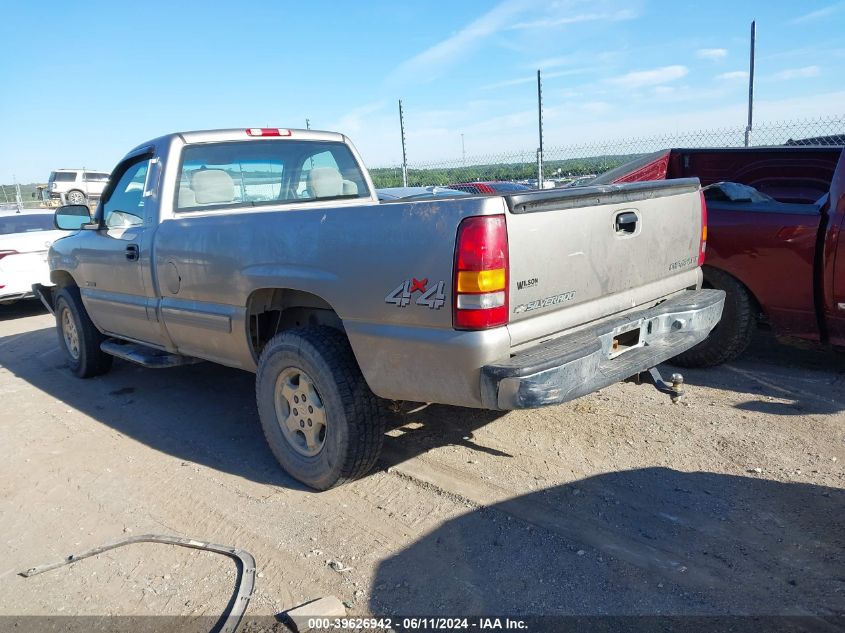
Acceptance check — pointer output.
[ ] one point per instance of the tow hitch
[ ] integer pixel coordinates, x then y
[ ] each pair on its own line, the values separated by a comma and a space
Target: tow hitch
675, 389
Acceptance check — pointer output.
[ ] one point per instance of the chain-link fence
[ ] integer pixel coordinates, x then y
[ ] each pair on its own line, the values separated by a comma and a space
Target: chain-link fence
21, 197
561, 165
565, 164
35, 196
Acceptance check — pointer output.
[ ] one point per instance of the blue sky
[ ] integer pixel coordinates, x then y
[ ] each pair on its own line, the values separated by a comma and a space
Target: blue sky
85, 82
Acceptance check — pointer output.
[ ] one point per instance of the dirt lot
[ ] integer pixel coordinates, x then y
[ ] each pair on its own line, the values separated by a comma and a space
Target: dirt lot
619, 503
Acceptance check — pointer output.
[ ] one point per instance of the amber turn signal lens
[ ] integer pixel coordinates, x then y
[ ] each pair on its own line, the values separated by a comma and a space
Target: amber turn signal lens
481, 280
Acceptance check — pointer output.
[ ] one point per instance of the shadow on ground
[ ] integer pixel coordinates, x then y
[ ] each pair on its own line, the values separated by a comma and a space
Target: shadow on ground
650, 541
206, 413
793, 379
21, 309
203, 413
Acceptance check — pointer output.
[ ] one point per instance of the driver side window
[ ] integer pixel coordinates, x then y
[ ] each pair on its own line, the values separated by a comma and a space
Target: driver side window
125, 206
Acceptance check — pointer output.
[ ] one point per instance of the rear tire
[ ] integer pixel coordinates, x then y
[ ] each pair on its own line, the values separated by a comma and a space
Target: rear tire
733, 333
76, 197
78, 336
319, 417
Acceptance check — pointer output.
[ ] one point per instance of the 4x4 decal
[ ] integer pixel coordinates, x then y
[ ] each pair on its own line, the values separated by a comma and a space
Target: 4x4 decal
432, 297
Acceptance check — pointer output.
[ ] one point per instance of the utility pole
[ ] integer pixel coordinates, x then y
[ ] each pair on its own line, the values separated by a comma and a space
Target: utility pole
18, 198
404, 155
307, 124
540, 123
751, 84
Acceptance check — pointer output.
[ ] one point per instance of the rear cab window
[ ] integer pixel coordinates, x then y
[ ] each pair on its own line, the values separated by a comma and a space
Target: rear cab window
63, 176
256, 173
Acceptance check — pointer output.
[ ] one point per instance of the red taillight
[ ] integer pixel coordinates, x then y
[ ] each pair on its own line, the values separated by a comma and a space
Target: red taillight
267, 131
480, 298
702, 244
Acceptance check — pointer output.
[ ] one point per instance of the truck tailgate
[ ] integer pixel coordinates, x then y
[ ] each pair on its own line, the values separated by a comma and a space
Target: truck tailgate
581, 254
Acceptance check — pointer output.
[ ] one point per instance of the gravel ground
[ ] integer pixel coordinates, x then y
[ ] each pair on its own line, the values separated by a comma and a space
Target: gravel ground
730, 502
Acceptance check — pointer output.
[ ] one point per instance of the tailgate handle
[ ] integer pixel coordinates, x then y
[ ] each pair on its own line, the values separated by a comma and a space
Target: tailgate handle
626, 222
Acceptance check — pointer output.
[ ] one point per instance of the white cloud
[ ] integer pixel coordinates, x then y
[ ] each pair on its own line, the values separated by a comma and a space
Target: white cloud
547, 22
554, 62
576, 60
734, 75
596, 107
818, 13
433, 61
640, 78
713, 54
353, 121
489, 132
797, 73
532, 78
507, 83
676, 120
524, 16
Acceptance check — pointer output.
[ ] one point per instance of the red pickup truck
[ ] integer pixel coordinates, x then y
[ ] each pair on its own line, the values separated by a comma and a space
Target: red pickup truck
776, 217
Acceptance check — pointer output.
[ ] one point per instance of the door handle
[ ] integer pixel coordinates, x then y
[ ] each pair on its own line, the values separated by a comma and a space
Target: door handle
626, 222
132, 252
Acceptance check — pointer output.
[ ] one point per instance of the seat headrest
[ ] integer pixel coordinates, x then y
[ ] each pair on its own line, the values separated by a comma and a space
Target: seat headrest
349, 188
325, 182
186, 197
212, 186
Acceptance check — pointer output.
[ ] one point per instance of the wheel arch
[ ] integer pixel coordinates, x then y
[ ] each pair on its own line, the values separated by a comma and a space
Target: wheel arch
62, 278
47, 293
273, 310
758, 308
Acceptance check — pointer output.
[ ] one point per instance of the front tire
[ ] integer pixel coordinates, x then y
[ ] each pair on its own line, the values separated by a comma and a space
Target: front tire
319, 417
78, 336
733, 333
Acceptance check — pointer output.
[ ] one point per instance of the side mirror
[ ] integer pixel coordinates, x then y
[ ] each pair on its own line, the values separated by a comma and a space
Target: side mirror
33, 194
72, 217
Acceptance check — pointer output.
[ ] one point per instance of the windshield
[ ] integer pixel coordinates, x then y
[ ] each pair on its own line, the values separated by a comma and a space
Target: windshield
250, 173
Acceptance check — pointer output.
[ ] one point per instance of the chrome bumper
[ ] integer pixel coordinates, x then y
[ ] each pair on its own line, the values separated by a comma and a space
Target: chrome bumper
607, 352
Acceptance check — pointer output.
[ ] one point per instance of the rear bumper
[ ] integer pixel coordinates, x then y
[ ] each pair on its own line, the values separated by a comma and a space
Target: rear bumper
14, 296
580, 363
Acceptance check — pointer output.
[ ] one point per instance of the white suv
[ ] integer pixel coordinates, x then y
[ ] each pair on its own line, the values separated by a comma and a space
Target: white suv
77, 185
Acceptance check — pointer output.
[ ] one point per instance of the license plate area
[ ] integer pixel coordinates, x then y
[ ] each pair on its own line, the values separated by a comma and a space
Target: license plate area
626, 338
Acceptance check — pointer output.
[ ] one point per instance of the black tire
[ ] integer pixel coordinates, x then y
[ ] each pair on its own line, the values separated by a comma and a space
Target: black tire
354, 422
85, 359
733, 333
74, 196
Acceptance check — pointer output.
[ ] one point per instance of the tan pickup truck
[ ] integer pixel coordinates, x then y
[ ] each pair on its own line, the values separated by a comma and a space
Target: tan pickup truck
268, 250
